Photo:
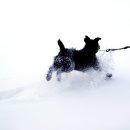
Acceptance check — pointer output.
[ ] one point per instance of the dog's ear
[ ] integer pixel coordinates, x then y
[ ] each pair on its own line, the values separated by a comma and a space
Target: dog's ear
97, 39
87, 38
61, 45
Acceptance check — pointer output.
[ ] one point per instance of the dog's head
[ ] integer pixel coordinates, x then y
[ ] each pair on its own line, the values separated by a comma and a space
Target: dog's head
92, 45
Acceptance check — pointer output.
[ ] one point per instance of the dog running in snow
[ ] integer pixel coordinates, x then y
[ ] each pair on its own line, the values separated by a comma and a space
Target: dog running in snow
68, 60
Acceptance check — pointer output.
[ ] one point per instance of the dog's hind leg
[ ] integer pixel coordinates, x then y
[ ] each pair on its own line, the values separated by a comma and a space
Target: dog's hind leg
49, 74
58, 75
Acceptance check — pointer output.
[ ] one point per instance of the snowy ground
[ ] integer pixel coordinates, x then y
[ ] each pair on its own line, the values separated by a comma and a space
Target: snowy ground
81, 101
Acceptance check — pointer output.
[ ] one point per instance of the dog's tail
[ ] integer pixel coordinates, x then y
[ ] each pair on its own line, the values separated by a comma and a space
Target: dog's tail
61, 45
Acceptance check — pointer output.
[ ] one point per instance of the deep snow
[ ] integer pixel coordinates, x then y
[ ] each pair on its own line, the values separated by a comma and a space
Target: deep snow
28, 41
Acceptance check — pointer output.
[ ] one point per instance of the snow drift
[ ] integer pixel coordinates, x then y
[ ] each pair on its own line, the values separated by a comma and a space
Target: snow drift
28, 34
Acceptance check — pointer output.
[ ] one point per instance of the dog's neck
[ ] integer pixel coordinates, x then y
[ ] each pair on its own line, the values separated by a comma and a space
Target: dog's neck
89, 51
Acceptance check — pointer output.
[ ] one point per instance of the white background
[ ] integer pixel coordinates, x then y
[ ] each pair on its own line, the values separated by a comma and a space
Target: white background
29, 30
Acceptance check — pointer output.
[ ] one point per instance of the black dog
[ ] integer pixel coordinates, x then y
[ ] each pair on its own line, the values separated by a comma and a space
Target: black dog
71, 59
86, 58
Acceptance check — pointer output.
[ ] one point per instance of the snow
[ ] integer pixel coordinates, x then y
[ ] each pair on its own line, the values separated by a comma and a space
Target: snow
29, 31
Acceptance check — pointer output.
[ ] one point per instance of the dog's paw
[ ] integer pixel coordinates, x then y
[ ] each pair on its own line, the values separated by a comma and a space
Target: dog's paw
48, 77
108, 76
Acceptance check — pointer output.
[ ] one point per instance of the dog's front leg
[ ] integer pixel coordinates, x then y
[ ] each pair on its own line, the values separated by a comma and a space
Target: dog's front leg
49, 74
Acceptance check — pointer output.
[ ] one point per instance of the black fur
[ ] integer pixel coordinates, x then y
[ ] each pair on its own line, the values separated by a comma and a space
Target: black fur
86, 58
71, 59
